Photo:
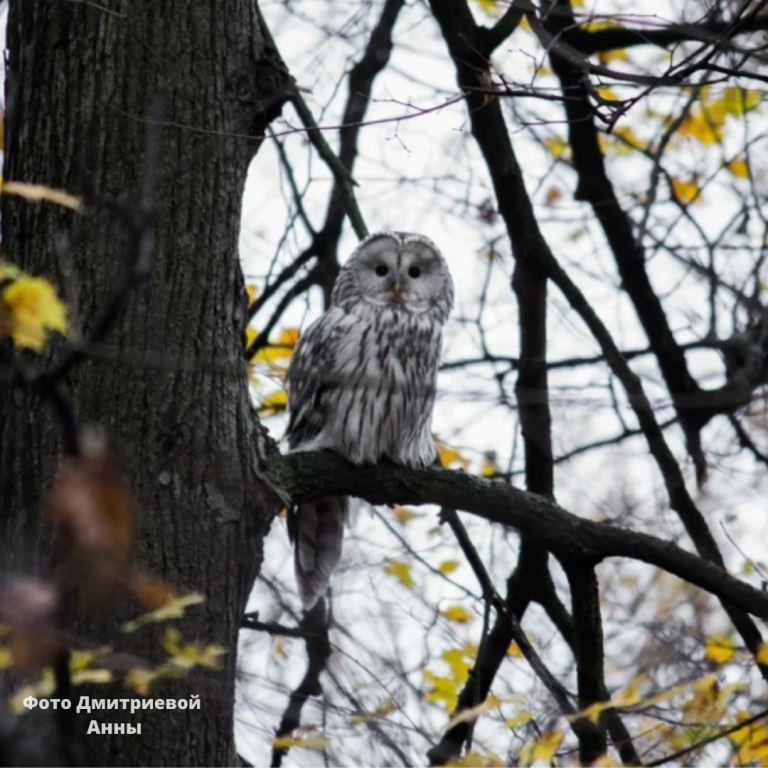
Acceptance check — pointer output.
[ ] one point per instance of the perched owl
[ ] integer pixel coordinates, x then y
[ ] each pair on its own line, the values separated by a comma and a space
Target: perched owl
362, 381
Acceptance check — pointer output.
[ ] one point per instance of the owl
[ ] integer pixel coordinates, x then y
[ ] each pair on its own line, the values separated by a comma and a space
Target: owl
362, 381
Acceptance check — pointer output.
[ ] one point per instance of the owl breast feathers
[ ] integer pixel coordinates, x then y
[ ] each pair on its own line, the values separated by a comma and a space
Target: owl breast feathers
362, 377
362, 382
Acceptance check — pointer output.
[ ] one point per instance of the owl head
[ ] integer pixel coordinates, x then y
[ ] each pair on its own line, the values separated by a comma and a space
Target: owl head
402, 271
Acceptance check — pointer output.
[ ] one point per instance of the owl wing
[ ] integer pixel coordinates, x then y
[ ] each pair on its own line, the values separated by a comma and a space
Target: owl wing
314, 374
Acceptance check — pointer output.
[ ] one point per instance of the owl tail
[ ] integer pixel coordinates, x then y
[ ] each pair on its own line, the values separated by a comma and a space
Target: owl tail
317, 530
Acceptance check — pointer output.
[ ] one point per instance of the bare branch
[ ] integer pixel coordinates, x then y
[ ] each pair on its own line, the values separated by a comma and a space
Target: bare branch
306, 476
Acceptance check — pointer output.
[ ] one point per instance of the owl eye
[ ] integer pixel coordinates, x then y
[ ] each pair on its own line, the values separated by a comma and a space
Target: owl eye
414, 272
382, 270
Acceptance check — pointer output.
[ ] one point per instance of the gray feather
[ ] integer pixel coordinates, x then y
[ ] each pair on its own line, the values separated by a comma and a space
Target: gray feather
362, 378
319, 532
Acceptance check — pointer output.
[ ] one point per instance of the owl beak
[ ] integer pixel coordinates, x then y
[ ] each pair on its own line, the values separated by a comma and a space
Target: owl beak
397, 291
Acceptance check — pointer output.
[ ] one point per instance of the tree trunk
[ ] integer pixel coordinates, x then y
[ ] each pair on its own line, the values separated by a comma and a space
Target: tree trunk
169, 384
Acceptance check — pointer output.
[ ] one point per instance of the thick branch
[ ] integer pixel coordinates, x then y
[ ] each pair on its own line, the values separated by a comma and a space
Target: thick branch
588, 635
714, 32
307, 476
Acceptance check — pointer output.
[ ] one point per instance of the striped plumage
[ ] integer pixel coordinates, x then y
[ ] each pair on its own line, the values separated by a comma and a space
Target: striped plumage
362, 380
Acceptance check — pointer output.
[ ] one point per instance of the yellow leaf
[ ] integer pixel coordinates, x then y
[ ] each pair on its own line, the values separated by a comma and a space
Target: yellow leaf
629, 696
604, 761
455, 658
92, 677
702, 126
495, 701
547, 745
595, 25
621, 141
29, 309
174, 609
189, 655
471, 713
751, 741
401, 571
706, 705
450, 456
686, 191
6, 658
443, 689
475, 759
491, 7
558, 147
252, 292
607, 93
288, 337
300, 742
592, 712
490, 467
738, 167
630, 137
274, 403
140, 679
762, 653
38, 192
733, 101
42, 688
276, 354
521, 718
9, 271
282, 349
719, 649
751, 98
403, 514
365, 717
514, 649
457, 613
448, 566
79, 660
616, 54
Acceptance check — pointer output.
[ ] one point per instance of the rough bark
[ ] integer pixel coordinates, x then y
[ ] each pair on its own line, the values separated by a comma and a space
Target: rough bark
169, 383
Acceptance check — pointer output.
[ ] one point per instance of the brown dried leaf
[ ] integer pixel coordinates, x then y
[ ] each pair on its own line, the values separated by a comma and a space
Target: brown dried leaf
94, 512
151, 592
